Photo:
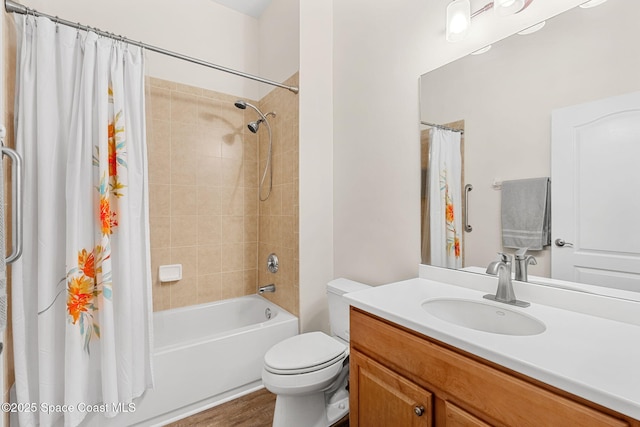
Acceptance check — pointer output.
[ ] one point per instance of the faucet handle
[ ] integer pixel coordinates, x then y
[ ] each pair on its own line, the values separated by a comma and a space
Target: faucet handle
504, 257
521, 253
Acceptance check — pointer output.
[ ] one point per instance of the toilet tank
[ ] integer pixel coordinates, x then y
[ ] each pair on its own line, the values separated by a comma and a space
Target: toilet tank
339, 307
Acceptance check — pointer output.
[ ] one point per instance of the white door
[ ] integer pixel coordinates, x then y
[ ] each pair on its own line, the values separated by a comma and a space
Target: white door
595, 193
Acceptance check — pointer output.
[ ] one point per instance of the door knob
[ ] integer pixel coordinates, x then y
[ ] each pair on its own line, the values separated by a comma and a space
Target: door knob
419, 410
561, 243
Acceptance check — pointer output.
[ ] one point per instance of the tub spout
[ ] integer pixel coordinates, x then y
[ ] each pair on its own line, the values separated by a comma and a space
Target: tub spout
267, 288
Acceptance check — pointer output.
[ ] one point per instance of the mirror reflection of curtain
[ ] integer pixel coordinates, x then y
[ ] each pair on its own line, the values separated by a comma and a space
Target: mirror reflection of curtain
445, 199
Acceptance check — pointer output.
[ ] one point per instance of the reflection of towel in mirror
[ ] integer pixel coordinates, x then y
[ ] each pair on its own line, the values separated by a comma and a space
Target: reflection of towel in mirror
526, 213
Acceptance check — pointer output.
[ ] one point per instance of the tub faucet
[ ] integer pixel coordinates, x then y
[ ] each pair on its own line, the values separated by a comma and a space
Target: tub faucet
505, 293
522, 261
267, 288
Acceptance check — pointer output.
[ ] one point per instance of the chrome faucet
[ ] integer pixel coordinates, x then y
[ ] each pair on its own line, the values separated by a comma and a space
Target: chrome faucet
505, 293
267, 288
492, 268
522, 261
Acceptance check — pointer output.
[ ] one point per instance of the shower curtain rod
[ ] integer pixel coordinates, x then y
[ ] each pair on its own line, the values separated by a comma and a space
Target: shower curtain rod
13, 7
442, 127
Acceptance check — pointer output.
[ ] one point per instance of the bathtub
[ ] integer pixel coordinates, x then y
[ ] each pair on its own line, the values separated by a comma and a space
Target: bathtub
205, 355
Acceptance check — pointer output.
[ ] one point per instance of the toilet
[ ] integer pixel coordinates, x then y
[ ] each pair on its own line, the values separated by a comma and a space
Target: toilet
309, 372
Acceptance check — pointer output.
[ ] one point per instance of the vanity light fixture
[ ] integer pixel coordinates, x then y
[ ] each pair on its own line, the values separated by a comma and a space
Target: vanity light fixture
458, 20
592, 3
459, 14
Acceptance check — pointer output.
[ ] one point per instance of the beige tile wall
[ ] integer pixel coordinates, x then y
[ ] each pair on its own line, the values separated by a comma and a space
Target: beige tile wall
9, 56
279, 214
204, 171
203, 194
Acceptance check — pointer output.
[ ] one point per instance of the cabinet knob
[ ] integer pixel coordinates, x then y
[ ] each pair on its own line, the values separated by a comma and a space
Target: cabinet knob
419, 410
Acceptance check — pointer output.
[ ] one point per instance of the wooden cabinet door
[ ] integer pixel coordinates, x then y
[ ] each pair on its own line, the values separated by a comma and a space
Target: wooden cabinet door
379, 397
458, 417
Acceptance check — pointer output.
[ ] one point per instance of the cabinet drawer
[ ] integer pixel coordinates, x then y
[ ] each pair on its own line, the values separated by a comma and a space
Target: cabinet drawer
380, 397
492, 394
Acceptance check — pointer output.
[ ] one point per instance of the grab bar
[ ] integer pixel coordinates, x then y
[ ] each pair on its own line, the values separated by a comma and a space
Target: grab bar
467, 227
16, 175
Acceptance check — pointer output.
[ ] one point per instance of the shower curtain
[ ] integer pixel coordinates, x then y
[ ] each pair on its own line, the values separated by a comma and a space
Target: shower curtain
445, 201
82, 288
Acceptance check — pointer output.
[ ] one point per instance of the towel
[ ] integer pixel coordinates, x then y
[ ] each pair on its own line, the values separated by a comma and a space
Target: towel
526, 213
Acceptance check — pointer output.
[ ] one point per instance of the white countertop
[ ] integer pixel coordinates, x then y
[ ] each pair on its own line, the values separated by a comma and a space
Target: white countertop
594, 357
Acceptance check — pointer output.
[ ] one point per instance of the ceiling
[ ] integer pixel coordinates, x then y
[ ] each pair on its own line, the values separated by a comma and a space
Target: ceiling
248, 7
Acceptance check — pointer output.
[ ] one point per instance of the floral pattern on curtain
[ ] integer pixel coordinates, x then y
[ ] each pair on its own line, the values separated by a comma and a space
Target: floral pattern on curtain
91, 278
452, 236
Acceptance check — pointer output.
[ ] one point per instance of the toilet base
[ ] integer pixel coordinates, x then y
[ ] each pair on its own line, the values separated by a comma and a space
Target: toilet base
337, 410
309, 410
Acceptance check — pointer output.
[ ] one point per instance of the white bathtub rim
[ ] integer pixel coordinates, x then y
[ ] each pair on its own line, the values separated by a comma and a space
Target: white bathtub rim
280, 315
223, 301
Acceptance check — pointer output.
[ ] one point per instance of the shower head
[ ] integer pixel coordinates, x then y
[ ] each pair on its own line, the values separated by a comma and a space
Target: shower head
254, 126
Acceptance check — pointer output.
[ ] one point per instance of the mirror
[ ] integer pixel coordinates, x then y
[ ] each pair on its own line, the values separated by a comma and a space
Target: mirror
504, 100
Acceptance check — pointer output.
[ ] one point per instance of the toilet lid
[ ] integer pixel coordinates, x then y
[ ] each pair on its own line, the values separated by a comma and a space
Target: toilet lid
304, 352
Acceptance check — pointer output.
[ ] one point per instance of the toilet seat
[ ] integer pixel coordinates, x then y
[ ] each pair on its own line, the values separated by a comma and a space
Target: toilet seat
305, 353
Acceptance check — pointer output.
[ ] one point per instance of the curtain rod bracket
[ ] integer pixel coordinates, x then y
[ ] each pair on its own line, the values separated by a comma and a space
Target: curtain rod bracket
13, 7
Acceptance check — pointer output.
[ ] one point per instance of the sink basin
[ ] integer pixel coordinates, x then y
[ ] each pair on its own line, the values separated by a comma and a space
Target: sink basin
483, 316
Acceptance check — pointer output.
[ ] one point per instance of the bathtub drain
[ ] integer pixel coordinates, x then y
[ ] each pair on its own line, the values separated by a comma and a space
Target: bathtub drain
267, 313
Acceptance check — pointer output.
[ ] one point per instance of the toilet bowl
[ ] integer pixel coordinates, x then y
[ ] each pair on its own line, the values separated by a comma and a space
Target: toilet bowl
309, 372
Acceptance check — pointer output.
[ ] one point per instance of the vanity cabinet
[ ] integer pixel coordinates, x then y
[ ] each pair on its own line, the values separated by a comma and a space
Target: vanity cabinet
401, 378
386, 398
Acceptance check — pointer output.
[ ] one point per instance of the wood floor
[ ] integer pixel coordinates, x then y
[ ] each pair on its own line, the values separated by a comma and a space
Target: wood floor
252, 410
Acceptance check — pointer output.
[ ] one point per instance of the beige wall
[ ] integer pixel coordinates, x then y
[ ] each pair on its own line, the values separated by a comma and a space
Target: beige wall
204, 170
202, 194
8, 69
278, 229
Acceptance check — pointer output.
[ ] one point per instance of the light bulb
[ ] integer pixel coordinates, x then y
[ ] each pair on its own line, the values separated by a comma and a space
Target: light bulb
458, 20
508, 7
